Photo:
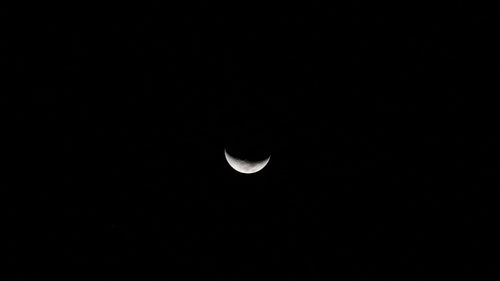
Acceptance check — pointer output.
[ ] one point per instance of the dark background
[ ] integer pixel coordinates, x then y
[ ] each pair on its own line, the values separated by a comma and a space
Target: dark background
383, 147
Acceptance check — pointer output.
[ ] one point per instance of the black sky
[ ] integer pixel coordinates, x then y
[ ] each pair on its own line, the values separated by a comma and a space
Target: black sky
118, 118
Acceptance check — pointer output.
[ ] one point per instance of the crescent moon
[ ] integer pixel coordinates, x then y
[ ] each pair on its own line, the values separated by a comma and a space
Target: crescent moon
245, 166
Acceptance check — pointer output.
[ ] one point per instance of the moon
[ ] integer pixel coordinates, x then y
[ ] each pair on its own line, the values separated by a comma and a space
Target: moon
245, 166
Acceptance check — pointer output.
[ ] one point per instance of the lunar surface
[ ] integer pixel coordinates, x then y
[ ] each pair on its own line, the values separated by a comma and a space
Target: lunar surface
245, 166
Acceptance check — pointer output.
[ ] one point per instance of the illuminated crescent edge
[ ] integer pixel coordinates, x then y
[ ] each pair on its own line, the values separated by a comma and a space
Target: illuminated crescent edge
245, 166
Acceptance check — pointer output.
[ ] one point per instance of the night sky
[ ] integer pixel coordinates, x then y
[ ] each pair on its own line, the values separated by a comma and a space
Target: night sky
383, 154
